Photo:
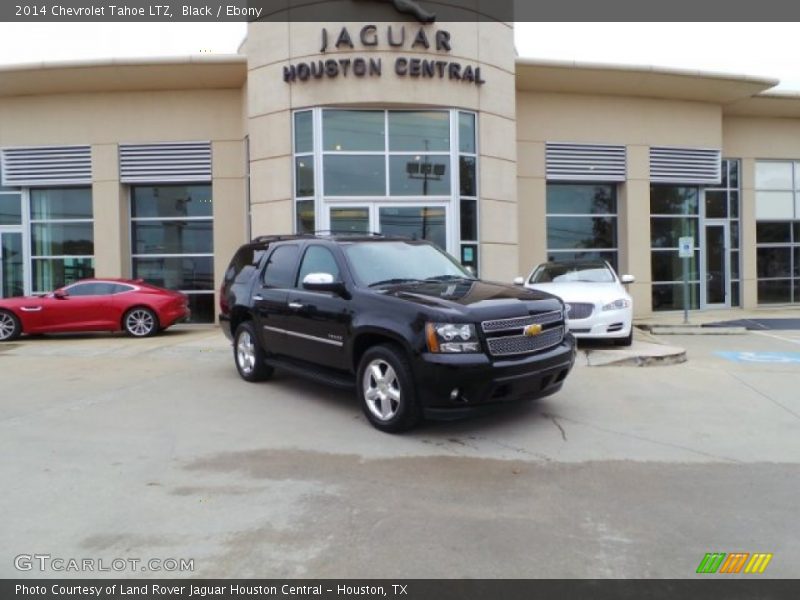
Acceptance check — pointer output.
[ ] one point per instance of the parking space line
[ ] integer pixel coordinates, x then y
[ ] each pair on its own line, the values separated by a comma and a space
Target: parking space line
777, 337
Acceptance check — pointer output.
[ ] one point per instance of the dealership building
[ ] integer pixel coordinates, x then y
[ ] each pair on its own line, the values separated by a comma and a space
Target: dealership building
160, 168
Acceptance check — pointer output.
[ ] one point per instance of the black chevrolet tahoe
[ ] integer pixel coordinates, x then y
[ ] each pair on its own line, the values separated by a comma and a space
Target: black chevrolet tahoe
415, 332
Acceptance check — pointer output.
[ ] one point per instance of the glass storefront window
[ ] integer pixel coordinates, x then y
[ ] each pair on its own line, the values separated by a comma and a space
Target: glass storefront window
420, 175
304, 176
353, 131
305, 222
389, 171
773, 291
62, 237
665, 231
778, 231
466, 133
566, 233
670, 296
61, 204
569, 199
582, 222
304, 132
415, 222
353, 175
674, 213
350, 220
10, 209
469, 220
172, 237
468, 176
171, 201
417, 131
52, 273
172, 242
774, 262
673, 200
774, 175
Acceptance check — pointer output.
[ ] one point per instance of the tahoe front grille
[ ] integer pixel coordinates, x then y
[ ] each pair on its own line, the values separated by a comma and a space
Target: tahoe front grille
543, 319
510, 345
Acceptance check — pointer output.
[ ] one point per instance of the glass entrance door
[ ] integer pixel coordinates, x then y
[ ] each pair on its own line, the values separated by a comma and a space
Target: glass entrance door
422, 222
11, 265
716, 268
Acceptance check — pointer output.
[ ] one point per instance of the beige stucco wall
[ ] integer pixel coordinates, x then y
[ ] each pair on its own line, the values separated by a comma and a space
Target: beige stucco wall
750, 139
104, 120
638, 124
270, 101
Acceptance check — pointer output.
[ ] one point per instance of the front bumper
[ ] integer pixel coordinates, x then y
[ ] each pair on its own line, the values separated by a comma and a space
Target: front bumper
603, 325
483, 381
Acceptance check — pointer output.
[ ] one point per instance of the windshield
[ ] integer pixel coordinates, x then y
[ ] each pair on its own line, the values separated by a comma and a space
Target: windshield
594, 272
376, 263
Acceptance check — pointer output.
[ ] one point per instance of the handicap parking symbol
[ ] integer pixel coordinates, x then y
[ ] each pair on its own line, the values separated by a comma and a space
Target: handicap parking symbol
784, 358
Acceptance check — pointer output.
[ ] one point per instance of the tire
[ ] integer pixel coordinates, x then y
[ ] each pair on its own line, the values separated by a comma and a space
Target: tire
140, 322
248, 355
10, 327
386, 389
626, 341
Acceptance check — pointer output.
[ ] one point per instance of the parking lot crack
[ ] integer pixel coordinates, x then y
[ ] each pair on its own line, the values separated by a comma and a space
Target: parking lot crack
652, 441
765, 396
557, 424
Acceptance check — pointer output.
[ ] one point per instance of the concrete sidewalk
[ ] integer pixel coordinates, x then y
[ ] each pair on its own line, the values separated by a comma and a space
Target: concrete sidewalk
701, 318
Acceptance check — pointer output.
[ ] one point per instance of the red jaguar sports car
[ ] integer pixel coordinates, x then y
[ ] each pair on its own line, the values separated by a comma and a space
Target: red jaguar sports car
135, 307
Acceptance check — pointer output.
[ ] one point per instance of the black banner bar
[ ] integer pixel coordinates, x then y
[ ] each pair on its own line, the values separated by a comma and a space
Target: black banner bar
393, 10
706, 588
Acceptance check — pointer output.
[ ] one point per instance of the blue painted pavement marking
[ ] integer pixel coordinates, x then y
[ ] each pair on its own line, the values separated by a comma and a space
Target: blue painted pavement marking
785, 358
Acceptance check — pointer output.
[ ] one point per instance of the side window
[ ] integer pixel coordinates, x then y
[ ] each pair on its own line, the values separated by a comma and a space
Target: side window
119, 288
318, 259
90, 289
244, 263
280, 269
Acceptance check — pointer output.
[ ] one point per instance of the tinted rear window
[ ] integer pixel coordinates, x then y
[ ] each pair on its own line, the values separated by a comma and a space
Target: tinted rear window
244, 263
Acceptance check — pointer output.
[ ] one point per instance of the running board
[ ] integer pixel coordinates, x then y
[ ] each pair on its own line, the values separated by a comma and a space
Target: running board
316, 373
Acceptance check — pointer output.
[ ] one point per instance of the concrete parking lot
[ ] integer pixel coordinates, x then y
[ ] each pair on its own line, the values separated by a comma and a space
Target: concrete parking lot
121, 448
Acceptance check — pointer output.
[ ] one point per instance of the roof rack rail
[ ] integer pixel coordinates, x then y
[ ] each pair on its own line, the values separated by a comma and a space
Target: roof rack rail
279, 238
348, 232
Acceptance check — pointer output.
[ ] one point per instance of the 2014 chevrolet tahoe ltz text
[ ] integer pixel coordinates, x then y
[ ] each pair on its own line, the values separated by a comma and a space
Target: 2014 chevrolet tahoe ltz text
415, 332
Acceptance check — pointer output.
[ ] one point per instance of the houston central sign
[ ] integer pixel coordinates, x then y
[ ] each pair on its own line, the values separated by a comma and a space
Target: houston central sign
392, 37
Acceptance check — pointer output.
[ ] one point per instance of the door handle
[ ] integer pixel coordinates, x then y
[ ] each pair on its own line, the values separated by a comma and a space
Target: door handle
296, 305
258, 297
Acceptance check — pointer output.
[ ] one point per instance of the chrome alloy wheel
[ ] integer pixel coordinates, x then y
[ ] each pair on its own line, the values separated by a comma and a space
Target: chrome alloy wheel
381, 389
140, 322
7, 326
245, 353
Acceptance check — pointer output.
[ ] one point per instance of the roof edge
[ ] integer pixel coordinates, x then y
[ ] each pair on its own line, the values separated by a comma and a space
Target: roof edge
189, 59
656, 70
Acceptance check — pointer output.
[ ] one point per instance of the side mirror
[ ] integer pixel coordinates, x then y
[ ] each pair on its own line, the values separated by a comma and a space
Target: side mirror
627, 279
323, 282
519, 281
470, 270
60, 294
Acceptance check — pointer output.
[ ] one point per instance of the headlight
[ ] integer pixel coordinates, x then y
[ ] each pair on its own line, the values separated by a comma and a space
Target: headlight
450, 338
618, 304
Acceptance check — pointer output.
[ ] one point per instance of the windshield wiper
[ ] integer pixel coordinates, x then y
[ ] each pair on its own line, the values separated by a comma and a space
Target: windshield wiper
395, 281
450, 278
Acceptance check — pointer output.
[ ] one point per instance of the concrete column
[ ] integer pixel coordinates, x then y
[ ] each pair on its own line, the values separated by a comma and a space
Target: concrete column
110, 206
747, 231
634, 229
229, 179
532, 189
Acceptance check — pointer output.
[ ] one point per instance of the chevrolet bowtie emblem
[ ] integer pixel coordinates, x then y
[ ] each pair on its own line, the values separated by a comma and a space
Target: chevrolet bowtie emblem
532, 330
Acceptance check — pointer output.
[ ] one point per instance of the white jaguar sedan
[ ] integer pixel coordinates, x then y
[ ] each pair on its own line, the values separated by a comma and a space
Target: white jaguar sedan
598, 305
